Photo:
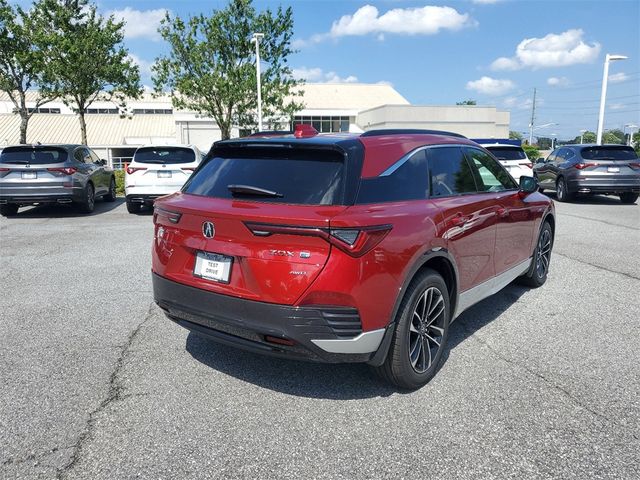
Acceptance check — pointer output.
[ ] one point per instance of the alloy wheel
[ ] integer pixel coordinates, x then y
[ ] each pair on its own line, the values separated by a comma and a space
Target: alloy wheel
543, 255
560, 190
426, 330
90, 197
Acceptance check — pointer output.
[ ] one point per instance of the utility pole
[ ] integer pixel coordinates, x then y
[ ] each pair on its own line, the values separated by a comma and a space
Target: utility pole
533, 117
256, 38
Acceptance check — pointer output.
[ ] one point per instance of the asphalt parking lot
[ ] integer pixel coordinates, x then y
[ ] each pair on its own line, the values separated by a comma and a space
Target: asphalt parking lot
96, 383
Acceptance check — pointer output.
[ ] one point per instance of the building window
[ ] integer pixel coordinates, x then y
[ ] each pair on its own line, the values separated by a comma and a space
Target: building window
44, 110
152, 111
324, 124
112, 111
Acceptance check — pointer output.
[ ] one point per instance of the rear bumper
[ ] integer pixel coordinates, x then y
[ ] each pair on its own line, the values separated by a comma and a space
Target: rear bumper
598, 185
324, 334
143, 199
40, 196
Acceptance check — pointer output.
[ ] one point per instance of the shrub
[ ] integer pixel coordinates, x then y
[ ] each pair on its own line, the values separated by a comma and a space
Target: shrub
119, 181
532, 152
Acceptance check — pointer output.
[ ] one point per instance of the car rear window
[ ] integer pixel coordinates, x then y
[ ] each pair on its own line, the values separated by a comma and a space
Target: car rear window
304, 177
165, 155
507, 153
33, 155
620, 153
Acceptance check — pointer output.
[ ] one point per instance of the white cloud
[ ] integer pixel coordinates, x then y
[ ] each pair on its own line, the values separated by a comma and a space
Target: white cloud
552, 50
618, 77
616, 106
427, 20
143, 65
140, 23
558, 81
491, 86
519, 103
485, 2
317, 75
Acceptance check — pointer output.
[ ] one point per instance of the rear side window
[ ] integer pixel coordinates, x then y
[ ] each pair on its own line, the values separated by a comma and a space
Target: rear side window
164, 155
33, 155
449, 172
408, 182
507, 153
304, 177
620, 153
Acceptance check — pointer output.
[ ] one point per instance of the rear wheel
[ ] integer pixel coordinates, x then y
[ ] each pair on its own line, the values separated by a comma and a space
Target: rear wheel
133, 207
628, 197
562, 192
542, 259
89, 202
422, 327
8, 210
111, 194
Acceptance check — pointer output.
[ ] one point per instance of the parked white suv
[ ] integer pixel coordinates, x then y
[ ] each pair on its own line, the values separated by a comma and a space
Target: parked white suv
158, 170
513, 158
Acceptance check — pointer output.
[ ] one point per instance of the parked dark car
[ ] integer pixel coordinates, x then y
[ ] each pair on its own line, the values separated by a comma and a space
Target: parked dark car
38, 174
346, 248
590, 169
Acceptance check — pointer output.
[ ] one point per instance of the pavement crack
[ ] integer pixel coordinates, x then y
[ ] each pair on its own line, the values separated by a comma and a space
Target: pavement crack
566, 393
584, 262
114, 394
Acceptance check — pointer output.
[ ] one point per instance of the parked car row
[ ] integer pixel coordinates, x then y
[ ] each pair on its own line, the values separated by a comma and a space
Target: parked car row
73, 174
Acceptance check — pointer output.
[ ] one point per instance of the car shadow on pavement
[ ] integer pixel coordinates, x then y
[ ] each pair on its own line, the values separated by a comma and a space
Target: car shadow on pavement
334, 381
594, 200
66, 211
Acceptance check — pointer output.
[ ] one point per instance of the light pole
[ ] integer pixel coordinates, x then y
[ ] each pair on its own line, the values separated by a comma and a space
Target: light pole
630, 126
605, 78
553, 141
582, 132
256, 39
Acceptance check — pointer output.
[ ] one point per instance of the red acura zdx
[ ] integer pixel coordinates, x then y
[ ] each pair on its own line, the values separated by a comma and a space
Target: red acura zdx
346, 247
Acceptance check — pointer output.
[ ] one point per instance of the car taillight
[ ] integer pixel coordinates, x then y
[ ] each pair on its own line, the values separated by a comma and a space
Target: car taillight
4, 169
354, 241
529, 165
634, 165
582, 166
65, 170
188, 169
131, 170
173, 217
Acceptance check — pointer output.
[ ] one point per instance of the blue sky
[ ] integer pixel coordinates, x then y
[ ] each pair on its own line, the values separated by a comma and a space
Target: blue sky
437, 53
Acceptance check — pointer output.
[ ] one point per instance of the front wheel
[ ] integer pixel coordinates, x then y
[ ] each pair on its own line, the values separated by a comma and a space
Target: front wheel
9, 209
89, 202
628, 197
422, 327
537, 275
111, 194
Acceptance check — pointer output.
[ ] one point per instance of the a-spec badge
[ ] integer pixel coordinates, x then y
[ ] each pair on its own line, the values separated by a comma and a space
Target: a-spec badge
208, 230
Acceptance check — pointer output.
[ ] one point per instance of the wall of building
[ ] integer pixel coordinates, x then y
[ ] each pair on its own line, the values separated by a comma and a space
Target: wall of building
470, 121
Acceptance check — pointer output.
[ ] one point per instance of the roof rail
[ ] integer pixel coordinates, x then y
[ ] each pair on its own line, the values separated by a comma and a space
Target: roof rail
405, 131
271, 133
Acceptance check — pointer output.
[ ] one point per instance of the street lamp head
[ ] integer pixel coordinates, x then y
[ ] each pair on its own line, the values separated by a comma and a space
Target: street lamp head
256, 37
612, 58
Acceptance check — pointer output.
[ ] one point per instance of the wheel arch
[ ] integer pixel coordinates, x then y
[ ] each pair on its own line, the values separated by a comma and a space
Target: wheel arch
437, 259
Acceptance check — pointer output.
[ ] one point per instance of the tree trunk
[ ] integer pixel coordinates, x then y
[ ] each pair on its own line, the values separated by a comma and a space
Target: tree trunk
24, 121
83, 126
225, 131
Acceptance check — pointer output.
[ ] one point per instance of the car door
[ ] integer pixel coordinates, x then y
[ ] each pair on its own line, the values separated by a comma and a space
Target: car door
468, 217
102, 171
84, 169
515, 216
543, 171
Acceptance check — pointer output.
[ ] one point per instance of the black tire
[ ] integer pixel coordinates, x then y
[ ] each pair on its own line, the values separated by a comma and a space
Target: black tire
537, 275
111, 194
9, 209
562, 192
89, 202
628, 197
400, 368
133, 207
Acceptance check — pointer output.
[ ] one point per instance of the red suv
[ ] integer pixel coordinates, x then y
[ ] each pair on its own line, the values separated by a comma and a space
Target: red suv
346, 248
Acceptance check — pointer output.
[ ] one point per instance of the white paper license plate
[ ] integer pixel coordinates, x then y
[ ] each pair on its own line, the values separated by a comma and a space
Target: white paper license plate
162, 174
213, 266
613, 169
29, 175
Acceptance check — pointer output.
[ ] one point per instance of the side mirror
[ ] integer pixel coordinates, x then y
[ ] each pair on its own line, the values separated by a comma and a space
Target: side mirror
540, 160
528, 185
102, 162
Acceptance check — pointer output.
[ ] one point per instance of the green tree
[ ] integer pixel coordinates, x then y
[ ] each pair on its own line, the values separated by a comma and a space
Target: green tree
515, 135
22, 63
636, 142
86, 56
467, 102
210, 68
532, 152
613, 136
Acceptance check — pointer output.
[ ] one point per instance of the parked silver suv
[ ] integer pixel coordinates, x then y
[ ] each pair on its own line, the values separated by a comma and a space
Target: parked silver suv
36, 174
590, 169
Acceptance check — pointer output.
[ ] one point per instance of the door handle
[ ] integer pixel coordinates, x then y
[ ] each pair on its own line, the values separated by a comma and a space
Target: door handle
458, 221
502, 212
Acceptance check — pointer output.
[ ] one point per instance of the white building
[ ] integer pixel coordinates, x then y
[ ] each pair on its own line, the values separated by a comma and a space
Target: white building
115, 134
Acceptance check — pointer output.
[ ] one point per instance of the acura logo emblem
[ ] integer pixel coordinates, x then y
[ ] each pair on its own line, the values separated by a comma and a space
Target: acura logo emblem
208, 230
